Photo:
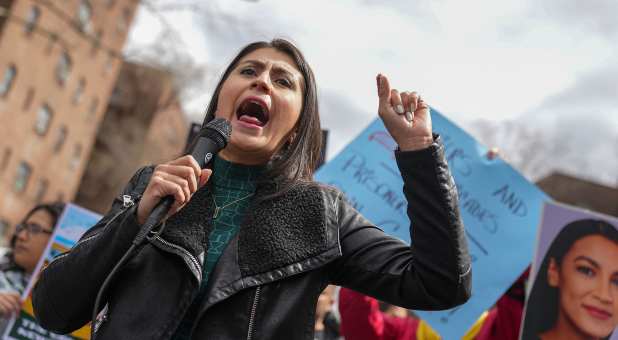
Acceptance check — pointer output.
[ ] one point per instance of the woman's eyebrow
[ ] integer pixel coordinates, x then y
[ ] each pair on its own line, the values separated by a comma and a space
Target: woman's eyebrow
276, 68
254, 63
587, 259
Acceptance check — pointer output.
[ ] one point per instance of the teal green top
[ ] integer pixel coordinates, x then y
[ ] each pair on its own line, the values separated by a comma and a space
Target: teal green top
234, 186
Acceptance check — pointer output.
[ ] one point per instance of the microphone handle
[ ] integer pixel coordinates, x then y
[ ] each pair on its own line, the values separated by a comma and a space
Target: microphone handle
156, 215
203, 151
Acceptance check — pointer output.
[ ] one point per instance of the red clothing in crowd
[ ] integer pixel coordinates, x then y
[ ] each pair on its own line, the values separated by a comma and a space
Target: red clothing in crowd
361, 319
504, 319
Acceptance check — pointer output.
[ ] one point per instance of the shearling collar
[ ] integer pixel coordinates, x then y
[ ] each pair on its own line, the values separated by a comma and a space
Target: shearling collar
276, 232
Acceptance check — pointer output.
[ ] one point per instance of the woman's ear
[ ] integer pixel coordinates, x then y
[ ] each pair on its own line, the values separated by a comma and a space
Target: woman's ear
553, 273
292, 137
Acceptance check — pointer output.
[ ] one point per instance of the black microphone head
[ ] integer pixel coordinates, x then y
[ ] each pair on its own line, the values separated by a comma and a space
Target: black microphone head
219, 130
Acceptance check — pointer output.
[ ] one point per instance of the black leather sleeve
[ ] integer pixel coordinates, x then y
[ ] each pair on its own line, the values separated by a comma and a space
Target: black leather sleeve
434, 272
64, 295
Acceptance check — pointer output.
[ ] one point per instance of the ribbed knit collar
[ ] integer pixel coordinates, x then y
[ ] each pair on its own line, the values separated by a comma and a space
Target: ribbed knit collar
230, 175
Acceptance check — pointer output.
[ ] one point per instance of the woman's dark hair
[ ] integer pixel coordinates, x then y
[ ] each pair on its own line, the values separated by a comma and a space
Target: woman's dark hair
297, 161
544, 300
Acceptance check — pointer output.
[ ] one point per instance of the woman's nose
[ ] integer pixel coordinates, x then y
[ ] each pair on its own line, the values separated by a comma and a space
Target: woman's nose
604, 291
22, 235
262, 83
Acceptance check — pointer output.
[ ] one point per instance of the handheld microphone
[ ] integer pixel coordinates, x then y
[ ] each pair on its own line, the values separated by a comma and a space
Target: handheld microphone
211, 139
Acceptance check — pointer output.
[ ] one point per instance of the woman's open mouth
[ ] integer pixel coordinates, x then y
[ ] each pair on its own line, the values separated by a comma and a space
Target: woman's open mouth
253, 113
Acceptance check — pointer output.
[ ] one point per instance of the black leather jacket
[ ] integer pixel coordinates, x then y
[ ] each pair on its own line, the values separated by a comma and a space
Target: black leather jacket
266, 283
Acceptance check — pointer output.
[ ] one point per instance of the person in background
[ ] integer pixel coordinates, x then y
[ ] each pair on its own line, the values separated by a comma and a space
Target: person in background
19, 261
364, 318
326, 323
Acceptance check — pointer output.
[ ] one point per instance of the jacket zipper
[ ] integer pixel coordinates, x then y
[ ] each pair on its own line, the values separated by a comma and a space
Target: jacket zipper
256, 299
182, 252
127, 202
102, 317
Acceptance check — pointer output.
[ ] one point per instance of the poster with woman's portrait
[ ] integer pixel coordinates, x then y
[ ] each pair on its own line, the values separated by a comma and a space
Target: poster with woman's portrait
573, 287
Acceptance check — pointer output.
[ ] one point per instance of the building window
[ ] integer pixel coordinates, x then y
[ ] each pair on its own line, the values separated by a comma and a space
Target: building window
62, 136
116, 95
51, 42
109, 64
84, 14
76, 157
23, 175
43, 118
79, 91
123, 21
41, 190
96, 42
63, 68
28, 99
6, 157
31, 19
7, 80
94, 104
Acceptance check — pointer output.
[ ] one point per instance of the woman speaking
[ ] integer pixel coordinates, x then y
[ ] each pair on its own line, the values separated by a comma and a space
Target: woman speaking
250, 243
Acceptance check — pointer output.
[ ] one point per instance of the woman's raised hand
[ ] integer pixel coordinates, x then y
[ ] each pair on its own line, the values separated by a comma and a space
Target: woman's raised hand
179, 178
405, 115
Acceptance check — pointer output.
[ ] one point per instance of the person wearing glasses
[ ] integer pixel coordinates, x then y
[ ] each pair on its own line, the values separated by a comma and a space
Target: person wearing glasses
26, 247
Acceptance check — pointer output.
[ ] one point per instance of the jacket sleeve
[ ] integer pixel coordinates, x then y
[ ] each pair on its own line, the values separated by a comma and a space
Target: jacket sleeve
64, 295
434, 272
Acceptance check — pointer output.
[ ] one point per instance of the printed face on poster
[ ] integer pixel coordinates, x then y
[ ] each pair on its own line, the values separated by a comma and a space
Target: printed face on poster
71, 225
574, 278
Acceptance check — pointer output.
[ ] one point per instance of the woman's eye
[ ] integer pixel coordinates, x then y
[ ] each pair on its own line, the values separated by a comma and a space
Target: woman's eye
284, 82
585, 270
248, 71
615, 281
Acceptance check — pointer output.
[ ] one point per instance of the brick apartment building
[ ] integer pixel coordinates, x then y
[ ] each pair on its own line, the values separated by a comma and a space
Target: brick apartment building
58, 64
144, 124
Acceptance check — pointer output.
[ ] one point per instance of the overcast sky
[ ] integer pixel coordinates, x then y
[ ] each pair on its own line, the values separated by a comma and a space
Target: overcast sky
551, 62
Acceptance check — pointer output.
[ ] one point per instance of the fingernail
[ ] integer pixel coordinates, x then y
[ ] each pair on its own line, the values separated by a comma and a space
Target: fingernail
399, 109
409, 117
412, 107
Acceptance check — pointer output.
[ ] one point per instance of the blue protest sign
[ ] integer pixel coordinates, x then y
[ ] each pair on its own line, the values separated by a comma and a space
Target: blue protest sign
500, 209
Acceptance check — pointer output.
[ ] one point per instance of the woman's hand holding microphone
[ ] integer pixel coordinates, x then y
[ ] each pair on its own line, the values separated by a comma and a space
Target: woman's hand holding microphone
179, 178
